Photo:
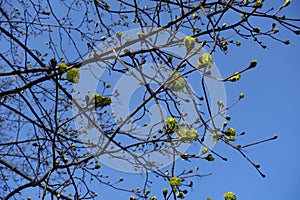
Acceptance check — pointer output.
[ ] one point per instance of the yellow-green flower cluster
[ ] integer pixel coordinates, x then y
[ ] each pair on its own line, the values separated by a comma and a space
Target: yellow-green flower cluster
189, 43
229, 196
175, 182
230, 133
205, 61
178, 82
101, 100
172, 124
62, 67
73, 75
188, 135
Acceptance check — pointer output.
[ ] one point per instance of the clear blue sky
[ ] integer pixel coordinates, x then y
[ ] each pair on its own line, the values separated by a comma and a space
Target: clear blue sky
271, 106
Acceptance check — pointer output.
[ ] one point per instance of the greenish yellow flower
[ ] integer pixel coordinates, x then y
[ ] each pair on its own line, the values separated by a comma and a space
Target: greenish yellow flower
101, 100
230, 132
187, 135
172, 124
62, 67
205, 61
178, 82
175, 181
73, 75
189, 43
229, 196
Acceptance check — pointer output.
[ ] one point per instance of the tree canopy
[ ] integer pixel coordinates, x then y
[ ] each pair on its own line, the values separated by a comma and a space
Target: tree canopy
131, 85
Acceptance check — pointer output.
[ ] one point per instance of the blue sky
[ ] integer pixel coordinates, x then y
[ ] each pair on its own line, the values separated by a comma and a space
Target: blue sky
271, 106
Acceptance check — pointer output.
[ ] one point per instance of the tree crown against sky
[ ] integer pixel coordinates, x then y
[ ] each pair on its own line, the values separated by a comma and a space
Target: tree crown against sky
131, 85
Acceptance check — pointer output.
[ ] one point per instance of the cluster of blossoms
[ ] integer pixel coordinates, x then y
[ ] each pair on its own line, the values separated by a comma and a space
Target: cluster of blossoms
186, 135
